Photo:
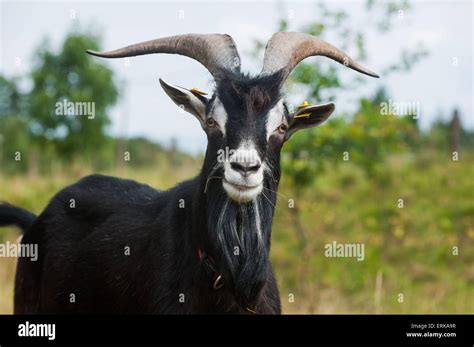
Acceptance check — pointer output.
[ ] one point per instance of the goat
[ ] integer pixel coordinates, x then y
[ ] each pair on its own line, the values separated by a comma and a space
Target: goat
202, 246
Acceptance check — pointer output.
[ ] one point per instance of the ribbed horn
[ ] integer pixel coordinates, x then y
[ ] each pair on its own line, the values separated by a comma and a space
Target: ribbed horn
216, 52
286, 49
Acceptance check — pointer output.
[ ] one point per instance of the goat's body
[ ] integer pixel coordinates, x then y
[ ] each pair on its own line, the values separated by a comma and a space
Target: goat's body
109, 245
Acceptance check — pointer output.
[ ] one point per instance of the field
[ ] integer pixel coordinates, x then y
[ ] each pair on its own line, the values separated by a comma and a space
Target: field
410, 264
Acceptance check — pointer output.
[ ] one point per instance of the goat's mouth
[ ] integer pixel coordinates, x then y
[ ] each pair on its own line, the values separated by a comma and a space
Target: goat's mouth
241, 192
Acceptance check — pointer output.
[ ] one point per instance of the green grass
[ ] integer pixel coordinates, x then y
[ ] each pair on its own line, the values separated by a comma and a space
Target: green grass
410, 247
409, 250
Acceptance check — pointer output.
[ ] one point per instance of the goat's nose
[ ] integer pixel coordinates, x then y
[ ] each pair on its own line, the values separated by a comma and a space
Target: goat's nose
245, 167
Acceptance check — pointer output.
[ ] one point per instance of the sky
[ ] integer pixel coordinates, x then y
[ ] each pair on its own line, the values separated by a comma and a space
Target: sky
439, 83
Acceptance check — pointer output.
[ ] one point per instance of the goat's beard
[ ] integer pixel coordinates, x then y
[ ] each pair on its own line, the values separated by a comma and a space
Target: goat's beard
241, 233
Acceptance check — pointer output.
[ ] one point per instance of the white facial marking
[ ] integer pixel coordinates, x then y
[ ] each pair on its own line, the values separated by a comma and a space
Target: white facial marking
219, 114
243, 187
275, 118
246, 153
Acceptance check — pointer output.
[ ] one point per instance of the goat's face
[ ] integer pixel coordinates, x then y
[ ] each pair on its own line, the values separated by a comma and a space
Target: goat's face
246, 122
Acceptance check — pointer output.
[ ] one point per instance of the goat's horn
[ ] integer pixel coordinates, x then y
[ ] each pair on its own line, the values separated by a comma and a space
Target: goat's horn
216, 52
285, 50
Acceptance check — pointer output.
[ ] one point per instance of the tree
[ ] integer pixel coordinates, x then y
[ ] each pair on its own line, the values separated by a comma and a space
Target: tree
372, 136
65, 78
14, 125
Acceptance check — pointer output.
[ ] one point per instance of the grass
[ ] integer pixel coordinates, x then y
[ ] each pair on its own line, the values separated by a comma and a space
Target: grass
408, 251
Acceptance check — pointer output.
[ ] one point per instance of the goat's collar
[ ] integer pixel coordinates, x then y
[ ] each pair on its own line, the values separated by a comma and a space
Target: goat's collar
211, 268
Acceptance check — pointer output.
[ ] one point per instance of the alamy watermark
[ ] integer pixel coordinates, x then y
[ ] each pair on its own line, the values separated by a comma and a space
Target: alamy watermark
28, 329
400, 108
345, 250
236, 156
78, 108
12, 249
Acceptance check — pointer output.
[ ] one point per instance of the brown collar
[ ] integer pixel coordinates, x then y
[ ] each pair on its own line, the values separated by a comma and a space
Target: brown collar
211, 268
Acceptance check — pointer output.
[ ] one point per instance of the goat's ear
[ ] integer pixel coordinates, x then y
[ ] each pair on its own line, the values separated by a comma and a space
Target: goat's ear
308, 117
191, 101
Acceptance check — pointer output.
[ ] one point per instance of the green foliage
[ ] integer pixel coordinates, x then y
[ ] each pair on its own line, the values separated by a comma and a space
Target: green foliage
371, 137
14, 124
439, 133
302, 163
48, 141
367, 137
10, 98
70, 74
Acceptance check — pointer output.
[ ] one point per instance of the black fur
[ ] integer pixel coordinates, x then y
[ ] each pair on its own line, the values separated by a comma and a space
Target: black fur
12, 215
83, 264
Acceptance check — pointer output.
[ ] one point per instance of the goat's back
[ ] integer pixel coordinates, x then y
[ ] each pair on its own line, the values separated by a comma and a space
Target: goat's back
94, 244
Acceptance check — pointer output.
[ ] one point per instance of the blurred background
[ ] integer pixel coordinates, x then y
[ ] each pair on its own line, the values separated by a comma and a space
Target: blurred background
399, 182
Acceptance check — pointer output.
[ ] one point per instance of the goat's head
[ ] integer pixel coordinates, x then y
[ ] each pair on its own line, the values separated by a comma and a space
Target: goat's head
246, 120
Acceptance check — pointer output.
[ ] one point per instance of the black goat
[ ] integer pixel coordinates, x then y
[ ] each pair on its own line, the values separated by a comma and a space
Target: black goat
109, 245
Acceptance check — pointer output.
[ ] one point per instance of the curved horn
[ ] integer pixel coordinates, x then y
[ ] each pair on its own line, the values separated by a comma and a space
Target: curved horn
215, 51
286, 49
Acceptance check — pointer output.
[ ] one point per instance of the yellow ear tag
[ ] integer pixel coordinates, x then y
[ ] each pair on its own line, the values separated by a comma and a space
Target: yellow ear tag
302, 115
197, 91
304, 104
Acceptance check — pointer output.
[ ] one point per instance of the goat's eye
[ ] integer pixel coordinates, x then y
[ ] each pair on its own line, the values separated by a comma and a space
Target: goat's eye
282, 128
210, 122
